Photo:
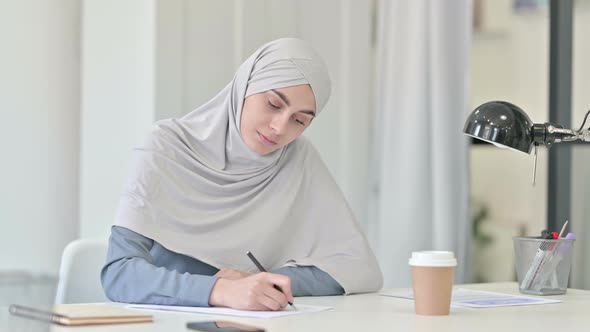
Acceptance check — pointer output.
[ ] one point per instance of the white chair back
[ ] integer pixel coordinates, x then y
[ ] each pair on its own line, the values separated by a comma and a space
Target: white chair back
79, 274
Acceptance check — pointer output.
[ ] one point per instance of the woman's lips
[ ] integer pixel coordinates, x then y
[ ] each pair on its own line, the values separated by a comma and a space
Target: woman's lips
265, 140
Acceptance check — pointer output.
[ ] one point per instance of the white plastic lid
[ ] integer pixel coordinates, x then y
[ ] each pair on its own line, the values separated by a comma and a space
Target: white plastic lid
433, 258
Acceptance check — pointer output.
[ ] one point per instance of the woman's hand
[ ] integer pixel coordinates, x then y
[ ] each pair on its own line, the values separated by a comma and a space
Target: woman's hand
233, 274
255, 292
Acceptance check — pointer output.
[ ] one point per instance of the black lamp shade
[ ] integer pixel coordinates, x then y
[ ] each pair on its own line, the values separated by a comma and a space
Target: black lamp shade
501, 123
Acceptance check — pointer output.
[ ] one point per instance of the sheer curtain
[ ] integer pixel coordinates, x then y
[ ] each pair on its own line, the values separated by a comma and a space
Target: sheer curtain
419, 191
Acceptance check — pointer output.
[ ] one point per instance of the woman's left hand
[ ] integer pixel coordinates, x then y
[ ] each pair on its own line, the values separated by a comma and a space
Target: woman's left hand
233, 274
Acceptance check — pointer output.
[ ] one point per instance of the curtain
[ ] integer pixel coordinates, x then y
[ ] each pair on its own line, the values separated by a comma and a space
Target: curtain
419, 185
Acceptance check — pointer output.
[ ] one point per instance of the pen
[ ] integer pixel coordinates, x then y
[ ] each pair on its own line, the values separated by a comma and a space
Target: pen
563, 228
262, 269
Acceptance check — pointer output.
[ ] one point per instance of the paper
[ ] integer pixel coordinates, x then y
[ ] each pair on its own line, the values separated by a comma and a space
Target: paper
479, 299
301, 309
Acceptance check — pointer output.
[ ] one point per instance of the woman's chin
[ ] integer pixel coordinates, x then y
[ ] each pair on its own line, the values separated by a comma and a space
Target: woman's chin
264, 152
261, 150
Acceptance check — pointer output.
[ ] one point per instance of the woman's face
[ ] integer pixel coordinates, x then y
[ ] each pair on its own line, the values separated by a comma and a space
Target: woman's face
273, 119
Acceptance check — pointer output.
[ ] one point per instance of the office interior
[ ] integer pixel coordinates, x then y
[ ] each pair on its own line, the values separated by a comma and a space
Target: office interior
83, 80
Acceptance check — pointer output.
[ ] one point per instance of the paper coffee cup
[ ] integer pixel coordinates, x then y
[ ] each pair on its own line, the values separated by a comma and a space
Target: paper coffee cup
432, 281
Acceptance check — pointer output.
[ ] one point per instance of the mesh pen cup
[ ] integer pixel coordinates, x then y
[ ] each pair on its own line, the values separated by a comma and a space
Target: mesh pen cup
543, 266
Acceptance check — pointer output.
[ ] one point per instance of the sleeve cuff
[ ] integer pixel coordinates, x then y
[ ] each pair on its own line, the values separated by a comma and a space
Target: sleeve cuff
199, 290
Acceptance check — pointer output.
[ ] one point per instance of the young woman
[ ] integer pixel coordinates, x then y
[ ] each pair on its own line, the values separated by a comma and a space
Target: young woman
235, 175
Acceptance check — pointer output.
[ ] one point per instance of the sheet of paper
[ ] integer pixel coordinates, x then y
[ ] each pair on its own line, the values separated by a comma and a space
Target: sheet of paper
479, 299
301, 309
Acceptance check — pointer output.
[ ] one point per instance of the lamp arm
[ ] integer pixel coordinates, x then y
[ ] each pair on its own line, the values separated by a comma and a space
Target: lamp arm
548, 133
557, 135
585, 133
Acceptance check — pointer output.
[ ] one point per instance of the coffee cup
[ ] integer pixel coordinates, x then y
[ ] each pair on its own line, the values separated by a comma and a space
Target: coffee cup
432, 281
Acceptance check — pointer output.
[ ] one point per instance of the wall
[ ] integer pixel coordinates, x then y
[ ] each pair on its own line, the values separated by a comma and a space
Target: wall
118, 101
580, 218
39, 101
509, 61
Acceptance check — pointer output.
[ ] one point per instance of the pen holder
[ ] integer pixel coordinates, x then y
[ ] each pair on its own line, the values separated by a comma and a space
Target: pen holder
543, 266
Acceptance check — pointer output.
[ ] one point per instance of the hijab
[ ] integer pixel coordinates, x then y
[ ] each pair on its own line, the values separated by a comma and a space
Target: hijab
197, 189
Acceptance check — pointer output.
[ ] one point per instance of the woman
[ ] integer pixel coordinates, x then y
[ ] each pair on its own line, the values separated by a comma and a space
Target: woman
233, 176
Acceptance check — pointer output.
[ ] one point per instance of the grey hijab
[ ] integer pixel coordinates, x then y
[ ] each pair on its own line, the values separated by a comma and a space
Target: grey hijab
197, 189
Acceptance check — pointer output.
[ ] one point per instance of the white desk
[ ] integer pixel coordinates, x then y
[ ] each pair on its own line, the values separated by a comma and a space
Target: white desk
371, 312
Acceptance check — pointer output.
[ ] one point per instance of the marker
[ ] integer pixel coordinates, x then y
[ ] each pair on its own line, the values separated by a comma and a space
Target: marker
543, 252
545, 234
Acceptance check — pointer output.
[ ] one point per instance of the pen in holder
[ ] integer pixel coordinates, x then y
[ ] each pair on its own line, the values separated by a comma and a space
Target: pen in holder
543, 265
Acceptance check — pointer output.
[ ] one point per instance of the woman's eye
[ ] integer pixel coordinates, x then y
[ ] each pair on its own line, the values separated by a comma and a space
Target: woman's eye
273, 106
300, 122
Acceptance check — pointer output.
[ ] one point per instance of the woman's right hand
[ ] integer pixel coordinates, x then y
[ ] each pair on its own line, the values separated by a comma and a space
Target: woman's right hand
255, 292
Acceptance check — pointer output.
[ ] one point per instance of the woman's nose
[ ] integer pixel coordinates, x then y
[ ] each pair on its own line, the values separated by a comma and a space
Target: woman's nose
279, 123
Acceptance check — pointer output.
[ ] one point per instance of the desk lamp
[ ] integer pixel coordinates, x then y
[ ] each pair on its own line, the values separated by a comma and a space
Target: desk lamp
507, 126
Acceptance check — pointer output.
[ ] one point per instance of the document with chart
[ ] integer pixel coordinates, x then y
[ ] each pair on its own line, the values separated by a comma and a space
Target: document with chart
478, 299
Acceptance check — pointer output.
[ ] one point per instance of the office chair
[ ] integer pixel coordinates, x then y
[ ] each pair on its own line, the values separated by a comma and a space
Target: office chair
79, 273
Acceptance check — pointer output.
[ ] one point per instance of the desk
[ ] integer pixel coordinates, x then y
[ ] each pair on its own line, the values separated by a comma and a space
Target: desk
371, 312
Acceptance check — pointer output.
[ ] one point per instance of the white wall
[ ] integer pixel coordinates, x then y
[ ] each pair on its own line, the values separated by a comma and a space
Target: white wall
118, 101
39, 101
509, 61
580, 218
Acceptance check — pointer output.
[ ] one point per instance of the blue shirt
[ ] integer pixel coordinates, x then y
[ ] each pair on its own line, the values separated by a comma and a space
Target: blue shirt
140, 270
